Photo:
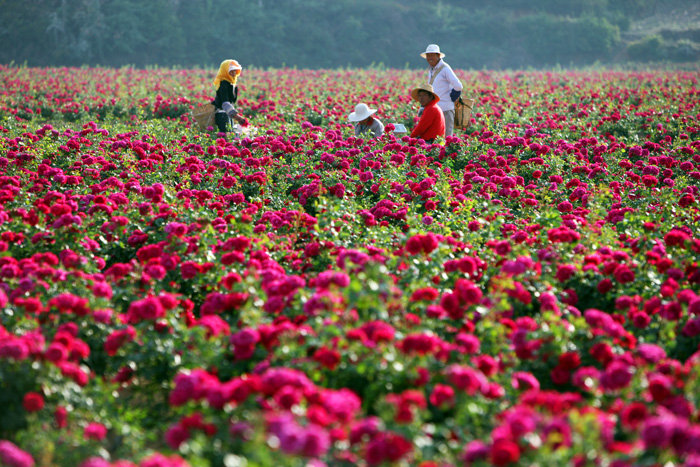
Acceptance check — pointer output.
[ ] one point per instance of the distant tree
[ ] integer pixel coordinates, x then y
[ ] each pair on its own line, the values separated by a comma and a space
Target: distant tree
571, 8
23, 32
557, 40
651, 48
324, 33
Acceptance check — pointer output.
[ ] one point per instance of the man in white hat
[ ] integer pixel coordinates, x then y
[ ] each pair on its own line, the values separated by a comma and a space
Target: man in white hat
363, 120
445, 84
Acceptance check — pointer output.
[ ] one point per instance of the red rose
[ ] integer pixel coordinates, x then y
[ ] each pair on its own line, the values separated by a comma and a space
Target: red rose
604, 286
396, 446
640, 320
442, 396
429, 242
327, 357
189, 269
623, 274
61, 417
602, 352
565, 272
660, 387
560, 375
569, 360
468, 292
176, 435
676, 238
427, 294
504, 452
414, 245
96, 431
649, 180
33, 402
633, 415
686, 200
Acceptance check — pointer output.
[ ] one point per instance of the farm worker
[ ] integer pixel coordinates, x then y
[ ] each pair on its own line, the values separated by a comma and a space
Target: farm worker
445, 83
364, 122
432, 120
227, 95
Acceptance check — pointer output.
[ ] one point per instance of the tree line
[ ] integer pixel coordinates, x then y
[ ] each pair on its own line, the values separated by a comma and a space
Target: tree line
332, 33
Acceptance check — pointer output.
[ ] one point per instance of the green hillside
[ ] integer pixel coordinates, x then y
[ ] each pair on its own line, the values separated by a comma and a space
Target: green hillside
354, 33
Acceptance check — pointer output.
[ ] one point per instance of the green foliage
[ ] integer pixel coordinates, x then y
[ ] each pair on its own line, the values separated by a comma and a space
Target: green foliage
322, 34
656, 48
648, 49
551, 40
16, 379
683, 50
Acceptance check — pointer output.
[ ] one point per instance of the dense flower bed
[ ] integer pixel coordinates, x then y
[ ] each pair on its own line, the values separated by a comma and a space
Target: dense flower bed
524, 293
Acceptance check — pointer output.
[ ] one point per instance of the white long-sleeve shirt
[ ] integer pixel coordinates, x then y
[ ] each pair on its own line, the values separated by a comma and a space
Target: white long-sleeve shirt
444, 82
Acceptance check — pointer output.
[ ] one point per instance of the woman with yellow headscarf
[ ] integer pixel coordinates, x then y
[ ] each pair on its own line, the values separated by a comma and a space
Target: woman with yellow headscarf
227, 95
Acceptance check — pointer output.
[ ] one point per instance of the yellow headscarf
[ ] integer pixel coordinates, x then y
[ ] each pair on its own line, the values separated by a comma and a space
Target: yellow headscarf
223, 75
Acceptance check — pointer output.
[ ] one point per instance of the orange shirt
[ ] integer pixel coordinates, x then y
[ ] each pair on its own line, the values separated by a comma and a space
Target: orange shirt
431, 123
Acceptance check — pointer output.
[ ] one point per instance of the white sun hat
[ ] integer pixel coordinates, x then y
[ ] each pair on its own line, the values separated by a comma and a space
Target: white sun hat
432, 49
361, 112
234, 66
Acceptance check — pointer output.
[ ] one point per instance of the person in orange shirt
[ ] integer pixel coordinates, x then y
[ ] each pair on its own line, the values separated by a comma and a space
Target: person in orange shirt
432, 121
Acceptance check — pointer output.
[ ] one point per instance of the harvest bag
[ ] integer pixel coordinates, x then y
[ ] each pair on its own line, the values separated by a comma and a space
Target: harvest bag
435, 73
463, 112
204, 115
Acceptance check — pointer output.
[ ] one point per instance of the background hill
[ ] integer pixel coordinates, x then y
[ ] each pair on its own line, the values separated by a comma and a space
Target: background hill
353, 33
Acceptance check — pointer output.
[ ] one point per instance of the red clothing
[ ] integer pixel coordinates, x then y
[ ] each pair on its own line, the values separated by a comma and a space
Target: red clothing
431, 123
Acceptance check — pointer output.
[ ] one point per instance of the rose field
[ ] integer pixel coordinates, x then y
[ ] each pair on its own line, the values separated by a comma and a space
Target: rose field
526, 292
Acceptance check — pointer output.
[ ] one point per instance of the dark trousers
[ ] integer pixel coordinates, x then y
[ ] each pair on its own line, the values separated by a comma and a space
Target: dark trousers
222, 122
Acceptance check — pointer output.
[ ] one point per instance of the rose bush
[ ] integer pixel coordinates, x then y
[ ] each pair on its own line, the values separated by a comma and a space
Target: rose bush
526, 292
